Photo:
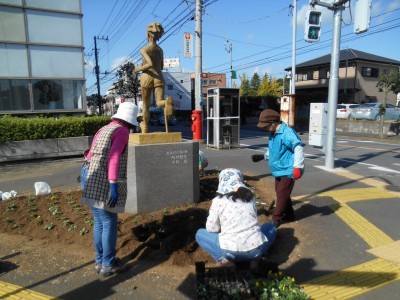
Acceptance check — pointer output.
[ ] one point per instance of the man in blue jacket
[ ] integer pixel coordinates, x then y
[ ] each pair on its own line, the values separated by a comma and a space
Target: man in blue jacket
286, 162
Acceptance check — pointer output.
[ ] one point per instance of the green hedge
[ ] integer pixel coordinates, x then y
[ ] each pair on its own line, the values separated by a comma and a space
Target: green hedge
18, 129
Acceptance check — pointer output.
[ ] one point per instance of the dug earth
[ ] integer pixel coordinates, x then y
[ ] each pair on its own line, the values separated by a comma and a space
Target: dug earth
57, 229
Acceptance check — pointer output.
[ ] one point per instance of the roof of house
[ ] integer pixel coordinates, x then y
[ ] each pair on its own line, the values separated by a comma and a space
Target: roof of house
346, 54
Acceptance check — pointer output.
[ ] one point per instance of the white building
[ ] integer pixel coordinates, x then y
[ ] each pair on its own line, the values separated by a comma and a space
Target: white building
41, 56
178, 85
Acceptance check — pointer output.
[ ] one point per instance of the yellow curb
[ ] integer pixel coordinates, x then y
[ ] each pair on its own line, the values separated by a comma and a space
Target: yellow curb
12, 291
353, 281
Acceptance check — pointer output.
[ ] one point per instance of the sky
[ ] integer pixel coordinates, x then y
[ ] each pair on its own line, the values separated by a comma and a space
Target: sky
252, 36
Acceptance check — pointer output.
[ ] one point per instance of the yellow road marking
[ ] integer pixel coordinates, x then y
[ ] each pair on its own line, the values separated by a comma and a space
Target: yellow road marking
12, 291
365, 277
371, 234
353, 281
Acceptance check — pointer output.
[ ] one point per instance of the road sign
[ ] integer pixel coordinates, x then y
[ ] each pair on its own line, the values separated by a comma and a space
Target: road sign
187, 45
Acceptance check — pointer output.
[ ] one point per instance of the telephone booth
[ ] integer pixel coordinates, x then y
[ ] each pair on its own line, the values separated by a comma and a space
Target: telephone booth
223, 118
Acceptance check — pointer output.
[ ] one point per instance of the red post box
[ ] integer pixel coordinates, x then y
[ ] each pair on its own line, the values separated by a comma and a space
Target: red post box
197, 126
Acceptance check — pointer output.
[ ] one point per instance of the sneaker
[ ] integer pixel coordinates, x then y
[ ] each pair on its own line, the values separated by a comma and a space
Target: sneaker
289, 217
115, 268
224, 263
97, 267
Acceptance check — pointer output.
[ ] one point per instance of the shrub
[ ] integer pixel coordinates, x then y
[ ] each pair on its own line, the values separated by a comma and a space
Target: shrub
18, 129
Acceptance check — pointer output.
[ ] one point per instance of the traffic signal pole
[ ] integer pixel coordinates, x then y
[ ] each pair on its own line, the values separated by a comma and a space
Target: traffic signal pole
198, 80
337, 7
333, 89
292, 87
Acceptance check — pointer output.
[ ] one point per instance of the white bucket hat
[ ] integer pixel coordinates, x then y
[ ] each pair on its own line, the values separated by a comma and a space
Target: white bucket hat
127, 111
230, 180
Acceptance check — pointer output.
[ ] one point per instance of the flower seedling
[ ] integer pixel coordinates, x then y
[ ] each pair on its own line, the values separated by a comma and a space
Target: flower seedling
15, 225
55, 210
72, 227
11, 206
83, 231
89, 220
49, 226
7, 220
277, 286
39, 220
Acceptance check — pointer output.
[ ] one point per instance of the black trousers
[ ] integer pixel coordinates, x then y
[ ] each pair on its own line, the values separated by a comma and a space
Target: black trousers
283, 189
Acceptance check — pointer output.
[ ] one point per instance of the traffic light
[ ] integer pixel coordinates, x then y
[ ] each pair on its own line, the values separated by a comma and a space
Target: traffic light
313, 26
233, 74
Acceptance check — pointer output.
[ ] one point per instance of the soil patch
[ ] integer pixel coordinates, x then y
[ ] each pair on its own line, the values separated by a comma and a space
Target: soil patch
166, 235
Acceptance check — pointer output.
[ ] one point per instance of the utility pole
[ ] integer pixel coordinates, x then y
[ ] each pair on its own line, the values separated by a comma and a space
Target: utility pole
293, 79
97, 77
198, 80
230, 51
97, 70
337, 6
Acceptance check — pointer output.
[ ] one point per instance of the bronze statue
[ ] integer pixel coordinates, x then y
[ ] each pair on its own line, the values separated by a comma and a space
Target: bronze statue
152, 78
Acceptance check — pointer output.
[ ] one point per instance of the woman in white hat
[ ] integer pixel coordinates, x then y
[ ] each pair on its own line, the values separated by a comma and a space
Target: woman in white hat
103, 181
232, 232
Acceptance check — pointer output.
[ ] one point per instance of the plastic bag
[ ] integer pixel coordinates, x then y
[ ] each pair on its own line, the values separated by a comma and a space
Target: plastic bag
8, 195
42, 188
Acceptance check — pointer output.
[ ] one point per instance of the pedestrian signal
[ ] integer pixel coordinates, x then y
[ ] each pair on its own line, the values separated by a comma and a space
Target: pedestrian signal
312, 31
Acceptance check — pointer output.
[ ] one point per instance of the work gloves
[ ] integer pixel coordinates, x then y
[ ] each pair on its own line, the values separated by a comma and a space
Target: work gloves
297, 173
113, 195
257, 157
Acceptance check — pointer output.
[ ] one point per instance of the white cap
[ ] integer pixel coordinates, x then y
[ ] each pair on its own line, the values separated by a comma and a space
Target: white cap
127, 111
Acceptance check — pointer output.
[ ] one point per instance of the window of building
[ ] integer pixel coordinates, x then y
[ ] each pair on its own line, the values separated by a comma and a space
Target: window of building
12, 2
14, 95
14, 61
56, 62
46, 27
315, 75
213, 82
204, 95
328, 74
12, 25
70, 5
57, 94
170, 87
369, 72
204, 82
304, 76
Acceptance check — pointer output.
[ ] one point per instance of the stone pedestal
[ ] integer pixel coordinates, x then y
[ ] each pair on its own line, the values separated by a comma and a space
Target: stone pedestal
162, 175
155, 138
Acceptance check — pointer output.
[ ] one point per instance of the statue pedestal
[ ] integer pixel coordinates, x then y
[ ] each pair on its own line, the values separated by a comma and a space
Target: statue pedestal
162, 175
155, 138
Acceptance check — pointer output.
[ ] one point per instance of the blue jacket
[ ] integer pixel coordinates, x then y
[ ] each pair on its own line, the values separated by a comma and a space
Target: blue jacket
281, 150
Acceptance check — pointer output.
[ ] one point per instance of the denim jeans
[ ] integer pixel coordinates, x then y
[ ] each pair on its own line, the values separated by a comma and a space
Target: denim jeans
105, 235
209, 241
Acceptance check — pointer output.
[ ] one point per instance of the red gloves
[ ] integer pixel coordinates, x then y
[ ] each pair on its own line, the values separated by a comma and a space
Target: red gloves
296, 173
